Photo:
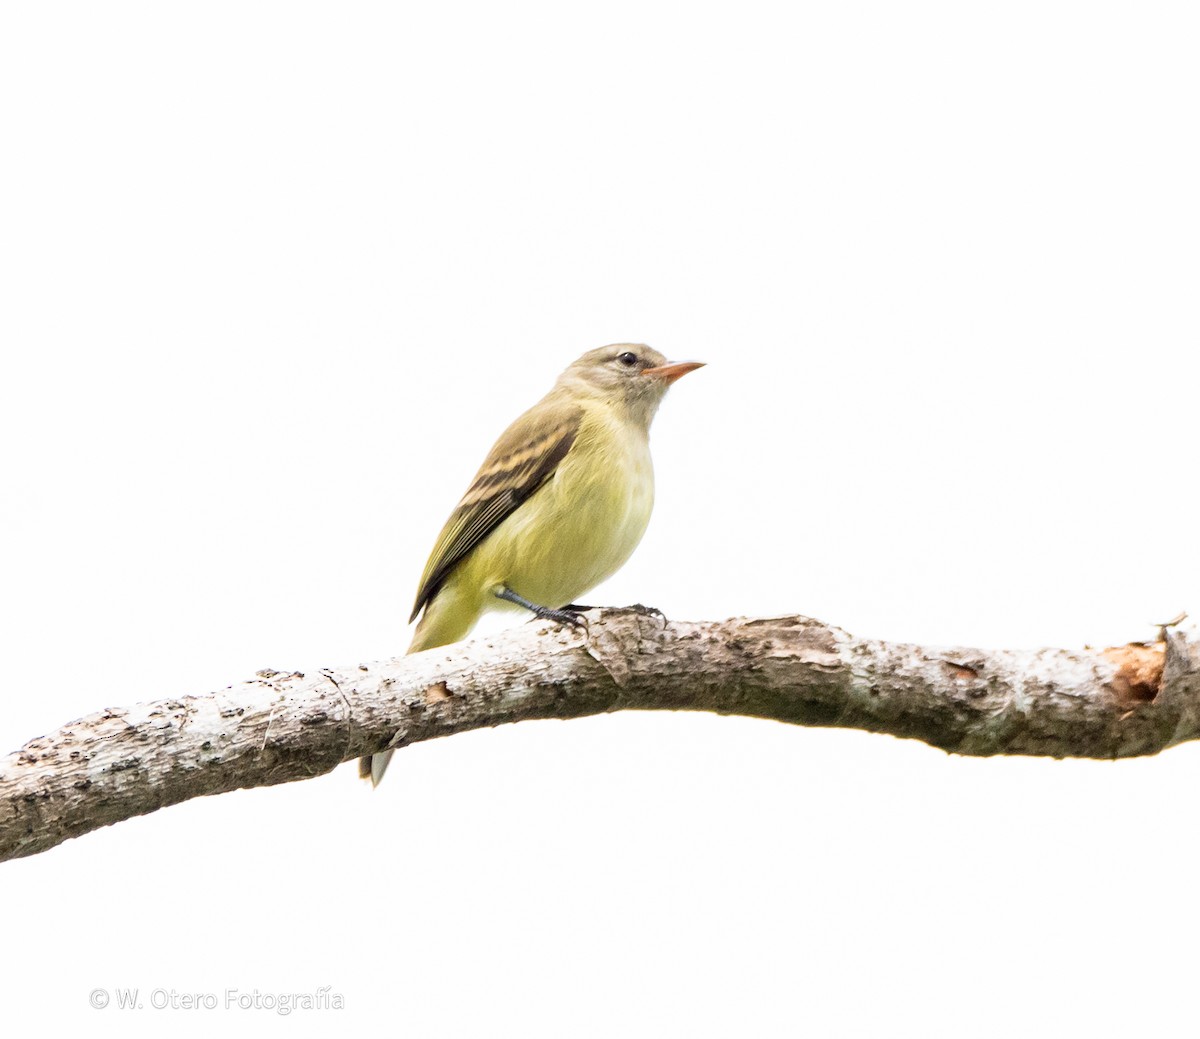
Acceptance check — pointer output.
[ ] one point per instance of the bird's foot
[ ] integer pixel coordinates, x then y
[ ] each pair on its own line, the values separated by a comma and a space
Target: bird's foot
649, 611
637, 607
572, 615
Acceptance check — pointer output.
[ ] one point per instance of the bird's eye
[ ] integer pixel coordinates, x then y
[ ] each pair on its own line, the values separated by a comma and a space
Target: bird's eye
628, 359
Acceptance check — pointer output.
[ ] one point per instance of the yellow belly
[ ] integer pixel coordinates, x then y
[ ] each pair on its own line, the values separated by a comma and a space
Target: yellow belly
575, 531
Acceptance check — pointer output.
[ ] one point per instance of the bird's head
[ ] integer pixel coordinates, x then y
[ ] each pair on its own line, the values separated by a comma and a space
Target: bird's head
630, 376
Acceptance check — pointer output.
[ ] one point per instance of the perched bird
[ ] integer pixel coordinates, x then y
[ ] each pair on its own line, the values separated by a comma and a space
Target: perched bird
559, 504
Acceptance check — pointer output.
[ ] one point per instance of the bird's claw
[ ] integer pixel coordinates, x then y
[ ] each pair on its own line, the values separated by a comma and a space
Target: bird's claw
649, 611
565, 616
637, 607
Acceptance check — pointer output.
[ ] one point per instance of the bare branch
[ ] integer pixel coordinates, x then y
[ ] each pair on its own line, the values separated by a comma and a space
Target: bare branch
279, 727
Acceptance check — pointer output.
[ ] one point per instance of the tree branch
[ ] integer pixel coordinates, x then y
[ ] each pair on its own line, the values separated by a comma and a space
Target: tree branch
278, 727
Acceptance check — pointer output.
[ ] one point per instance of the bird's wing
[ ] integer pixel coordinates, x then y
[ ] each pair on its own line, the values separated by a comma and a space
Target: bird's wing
519, 463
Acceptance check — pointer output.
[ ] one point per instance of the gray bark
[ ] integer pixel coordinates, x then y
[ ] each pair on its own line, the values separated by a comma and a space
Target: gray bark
283, 726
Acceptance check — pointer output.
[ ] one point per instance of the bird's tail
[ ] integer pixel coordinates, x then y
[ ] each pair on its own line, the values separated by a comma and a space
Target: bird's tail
373, 766
446, 619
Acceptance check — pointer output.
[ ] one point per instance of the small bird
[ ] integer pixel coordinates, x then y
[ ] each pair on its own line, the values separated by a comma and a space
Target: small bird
559, 504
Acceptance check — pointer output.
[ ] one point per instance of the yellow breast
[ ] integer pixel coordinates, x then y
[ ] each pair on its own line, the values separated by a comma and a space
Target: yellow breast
581, 525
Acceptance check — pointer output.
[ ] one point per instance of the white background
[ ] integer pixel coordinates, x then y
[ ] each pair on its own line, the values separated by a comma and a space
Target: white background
274, 277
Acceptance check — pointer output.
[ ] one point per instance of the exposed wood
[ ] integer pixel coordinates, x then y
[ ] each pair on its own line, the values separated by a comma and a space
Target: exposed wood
284, 726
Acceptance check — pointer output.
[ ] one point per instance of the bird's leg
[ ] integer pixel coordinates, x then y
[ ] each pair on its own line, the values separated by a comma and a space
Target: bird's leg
565, 615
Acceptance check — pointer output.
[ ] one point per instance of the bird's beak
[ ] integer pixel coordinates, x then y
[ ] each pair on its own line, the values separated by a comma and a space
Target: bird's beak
670, 372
